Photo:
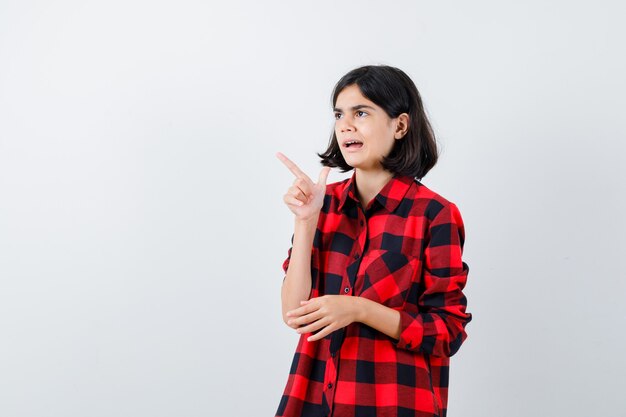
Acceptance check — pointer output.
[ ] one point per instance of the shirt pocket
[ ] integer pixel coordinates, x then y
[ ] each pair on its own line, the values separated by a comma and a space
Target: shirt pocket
388, 277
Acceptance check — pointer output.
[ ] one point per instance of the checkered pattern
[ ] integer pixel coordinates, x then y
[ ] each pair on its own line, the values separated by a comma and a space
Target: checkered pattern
402, 251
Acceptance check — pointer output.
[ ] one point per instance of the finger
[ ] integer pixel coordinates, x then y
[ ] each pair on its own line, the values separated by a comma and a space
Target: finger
323, 175
302, 310
298, 193
304, 186
322, 333
316, 325
298, 312
291, 200
292, 167
306, 319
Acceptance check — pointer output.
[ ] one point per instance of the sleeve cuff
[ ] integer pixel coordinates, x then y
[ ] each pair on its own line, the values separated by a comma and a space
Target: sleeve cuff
411, 331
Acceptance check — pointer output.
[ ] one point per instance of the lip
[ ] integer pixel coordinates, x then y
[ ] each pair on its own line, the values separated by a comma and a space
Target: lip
343, 144
353, 149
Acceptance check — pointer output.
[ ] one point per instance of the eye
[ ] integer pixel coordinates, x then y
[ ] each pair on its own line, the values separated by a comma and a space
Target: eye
337, 115
360, 111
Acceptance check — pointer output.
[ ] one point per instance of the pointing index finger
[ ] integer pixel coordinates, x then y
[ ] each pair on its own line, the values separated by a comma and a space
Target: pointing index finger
292, 167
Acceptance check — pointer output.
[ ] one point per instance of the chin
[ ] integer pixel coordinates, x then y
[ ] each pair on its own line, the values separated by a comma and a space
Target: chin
351, 163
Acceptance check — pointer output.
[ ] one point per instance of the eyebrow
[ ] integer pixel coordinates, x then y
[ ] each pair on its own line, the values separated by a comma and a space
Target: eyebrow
357, 107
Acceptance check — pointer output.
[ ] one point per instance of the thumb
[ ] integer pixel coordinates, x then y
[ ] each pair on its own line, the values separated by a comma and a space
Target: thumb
323, 175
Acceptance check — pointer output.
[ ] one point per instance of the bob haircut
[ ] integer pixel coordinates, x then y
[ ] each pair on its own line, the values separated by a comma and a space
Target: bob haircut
391, 89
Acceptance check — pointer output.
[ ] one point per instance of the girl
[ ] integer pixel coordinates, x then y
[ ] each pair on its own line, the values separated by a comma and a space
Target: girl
374, 276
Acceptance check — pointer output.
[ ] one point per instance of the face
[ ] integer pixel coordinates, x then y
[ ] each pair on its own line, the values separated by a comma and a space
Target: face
359, 119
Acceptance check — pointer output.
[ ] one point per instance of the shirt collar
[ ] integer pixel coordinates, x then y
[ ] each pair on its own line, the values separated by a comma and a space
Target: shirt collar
388, 197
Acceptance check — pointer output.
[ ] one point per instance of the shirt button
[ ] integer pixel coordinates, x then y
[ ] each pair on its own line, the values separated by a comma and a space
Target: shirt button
362, 222
356, 256
346, 290
408, 346
330, 385
332, 354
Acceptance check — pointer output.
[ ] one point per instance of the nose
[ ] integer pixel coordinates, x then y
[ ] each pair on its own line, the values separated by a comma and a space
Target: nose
345, 124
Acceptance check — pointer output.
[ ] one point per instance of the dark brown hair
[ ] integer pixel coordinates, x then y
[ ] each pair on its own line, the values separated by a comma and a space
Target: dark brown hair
392, 90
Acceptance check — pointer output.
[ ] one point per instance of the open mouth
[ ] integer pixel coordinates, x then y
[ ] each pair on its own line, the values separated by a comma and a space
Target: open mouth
353, 144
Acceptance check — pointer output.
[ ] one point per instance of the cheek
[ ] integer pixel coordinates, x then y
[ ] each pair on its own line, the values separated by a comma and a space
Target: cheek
382, 142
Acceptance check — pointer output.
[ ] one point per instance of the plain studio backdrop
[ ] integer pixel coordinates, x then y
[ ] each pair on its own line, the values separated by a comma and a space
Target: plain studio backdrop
142, 226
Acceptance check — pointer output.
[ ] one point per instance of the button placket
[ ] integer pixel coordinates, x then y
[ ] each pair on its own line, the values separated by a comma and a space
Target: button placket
330, 376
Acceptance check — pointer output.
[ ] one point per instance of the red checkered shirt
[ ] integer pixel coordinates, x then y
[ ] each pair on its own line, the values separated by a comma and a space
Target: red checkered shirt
403, 251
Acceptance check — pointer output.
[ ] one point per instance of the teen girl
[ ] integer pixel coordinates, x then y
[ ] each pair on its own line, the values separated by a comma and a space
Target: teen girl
374, 276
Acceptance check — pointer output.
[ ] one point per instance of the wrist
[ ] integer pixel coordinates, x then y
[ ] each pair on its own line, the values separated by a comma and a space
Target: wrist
309, 222
360, 309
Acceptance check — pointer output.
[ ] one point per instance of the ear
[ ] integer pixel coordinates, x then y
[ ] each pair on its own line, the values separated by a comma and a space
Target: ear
402, 125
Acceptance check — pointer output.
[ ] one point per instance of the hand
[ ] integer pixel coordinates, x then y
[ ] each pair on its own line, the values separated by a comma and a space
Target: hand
328, 313
304, 198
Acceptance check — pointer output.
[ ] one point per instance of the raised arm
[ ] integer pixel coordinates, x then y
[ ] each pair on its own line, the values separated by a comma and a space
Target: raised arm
305, 199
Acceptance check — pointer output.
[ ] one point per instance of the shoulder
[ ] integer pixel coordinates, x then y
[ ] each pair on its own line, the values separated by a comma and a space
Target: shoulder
434, 204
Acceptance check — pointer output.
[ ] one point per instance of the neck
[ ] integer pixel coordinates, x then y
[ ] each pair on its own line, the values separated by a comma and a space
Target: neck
369, 183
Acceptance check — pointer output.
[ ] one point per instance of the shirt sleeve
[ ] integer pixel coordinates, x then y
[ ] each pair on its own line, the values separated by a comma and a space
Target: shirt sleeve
286, 261
437, 325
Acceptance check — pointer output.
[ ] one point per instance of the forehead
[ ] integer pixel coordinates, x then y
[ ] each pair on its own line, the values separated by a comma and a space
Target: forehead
351, 96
